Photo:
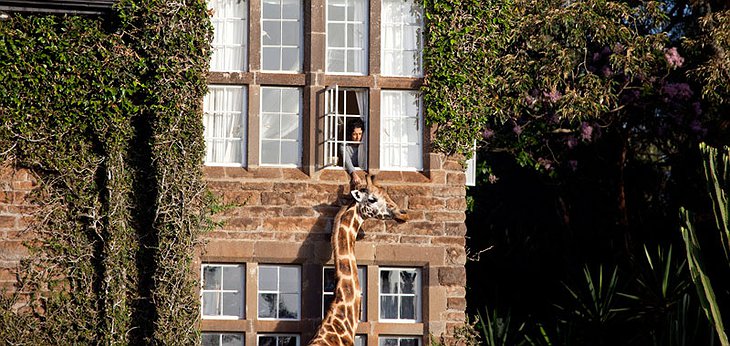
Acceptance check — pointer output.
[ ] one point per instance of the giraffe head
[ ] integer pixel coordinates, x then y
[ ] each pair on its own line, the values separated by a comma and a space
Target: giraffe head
373, 202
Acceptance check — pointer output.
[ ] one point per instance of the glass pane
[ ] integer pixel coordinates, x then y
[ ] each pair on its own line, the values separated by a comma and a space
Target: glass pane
270, 152
271, 33
388, 342
270, 126
290, 32
231, 339
415, 156
408, 307
289, 306
267, 341
289, 280
356, 10
336, 35
211, 278
270, 59
290, 153
211, 303
329, 280
287, 341
267, 305
210, 339
290, 100
268, 276
355, 61
271, 9
388, 307
270, 98
326, 302
388, 281
408, 281
355, 36
232, 303
291, 9
290, 60
232, 278
335, 10
360, 340
409, 342
335, 60
289, 128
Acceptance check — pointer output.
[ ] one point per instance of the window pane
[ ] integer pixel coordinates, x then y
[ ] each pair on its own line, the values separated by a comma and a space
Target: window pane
336, 35
407, 281
211, 277
271, 33
271, 58
270, 126
388, 281
289, 306
409, 342
267, 341
360, 340
229, 22
388, 342
267, 278
335, 10
329, 280
290, 100
231, 339
291, 9
270, 152
289, 279
388, 307
270, 100
355, 36
210, 339
290, 59
336, 60
271, 9
211, 303
267, 305
407, 308
232, 303
290, 32
290, 153
232, 278
290, 128
287, 341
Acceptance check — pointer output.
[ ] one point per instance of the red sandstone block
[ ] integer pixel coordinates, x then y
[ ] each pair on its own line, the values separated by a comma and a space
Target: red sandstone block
415, 239
446, 216
219, 186
456, 303
289, 224
457, 203
6, 197
214, 172
7, 275
437, 177
294, 174
415, 177
456, 178
259, 211
449, 191
430, 203
242, 224
410, 190
277, 198
455, 228
237, 173
257, 186
389, 176
452, 276
241, 198
298, 211
456, 255
415, 228
373, 226
267, 172
7, 221
334, 175
290, 187
453, 165
381, 238
12, 250
449, 240
321, 199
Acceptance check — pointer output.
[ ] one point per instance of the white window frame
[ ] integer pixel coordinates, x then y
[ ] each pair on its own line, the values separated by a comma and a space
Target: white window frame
217, 45
221, 334
418, 295
403, 25
333, 121
418, 118
362, 273
298, 140
277, 336
221, 291
281, 45
209, 111
278, 292
365, 44
381, 340
471, 167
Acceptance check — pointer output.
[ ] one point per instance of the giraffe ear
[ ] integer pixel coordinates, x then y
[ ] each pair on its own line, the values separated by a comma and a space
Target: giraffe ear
357, 195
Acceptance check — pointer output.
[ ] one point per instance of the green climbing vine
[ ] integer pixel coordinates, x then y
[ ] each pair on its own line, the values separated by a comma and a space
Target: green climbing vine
105, 112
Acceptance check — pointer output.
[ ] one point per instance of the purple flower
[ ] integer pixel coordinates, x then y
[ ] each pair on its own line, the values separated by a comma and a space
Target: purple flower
553, 95
697, 108
530, 100
679, 91
573, 164
487, 133
571, 142
586, 131
596, 56
517, 129
607, 71
547, 164
673, 58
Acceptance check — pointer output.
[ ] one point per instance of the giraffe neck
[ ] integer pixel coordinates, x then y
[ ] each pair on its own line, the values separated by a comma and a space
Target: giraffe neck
339, 324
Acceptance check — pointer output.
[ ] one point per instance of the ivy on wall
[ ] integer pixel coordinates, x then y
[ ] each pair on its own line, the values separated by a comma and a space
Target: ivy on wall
106, 112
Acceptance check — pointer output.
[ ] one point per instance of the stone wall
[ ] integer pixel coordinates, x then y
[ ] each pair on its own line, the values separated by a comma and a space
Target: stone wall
15, 215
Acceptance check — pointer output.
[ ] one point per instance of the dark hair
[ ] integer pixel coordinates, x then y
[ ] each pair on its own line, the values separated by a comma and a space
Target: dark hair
357, 123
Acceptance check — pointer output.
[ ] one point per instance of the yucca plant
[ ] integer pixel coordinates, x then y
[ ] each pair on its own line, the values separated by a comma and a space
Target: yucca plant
497, 328
717, 175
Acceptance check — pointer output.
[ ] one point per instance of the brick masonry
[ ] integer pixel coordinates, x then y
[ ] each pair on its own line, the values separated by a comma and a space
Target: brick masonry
15, 214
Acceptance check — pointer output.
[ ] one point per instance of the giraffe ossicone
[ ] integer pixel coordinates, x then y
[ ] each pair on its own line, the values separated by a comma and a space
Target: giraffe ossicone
339, 324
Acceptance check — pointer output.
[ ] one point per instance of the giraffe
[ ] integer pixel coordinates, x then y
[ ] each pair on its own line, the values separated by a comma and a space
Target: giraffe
339, 324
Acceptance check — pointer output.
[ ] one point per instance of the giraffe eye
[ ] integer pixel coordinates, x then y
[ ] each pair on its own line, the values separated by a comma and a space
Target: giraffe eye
372, 199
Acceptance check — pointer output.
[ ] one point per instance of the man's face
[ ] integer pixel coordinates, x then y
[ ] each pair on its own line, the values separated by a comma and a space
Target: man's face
356, 135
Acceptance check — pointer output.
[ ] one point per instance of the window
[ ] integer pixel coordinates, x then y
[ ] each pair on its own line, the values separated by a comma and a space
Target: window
343, 109
222, 339
224, 118
347, 37
401, 130
401, 38
278, 340
230, 27
399, 341
281, 126
279, 292
281, 35
222, 291
400, 294
361, 340
329, 284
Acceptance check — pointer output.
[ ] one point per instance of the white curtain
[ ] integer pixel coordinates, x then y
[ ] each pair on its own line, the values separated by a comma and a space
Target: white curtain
362, 105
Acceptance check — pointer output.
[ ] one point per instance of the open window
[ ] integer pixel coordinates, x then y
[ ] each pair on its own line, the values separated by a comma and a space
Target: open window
345, 109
